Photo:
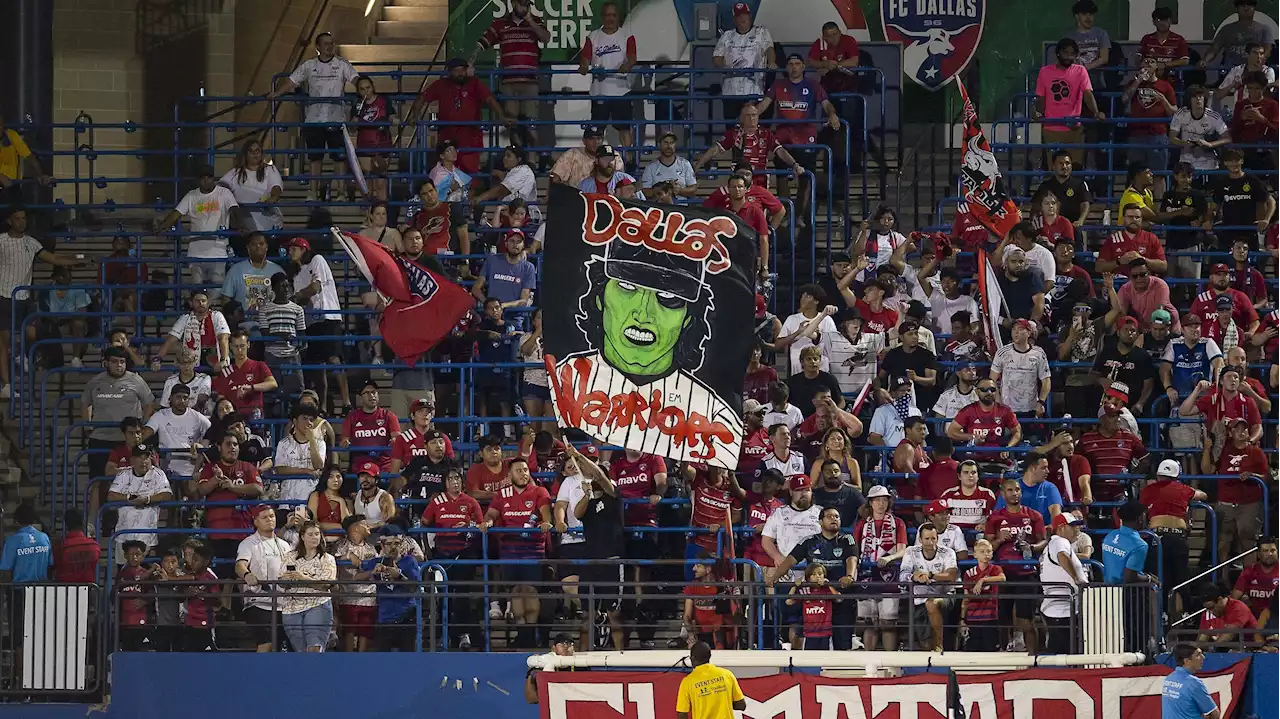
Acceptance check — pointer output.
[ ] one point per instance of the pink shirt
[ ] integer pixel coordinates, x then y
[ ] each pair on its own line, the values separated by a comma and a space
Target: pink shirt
1141, 305
1063, 92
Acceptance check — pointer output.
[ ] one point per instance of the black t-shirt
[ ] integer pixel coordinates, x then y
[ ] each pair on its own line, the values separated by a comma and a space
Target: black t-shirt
897, 361
1238, 199
1019, 293
1155, 349
803, 389
602, 527
1132, 368
425, 478
832, 291
846, 499
830, 553
1176, 200
1071, 195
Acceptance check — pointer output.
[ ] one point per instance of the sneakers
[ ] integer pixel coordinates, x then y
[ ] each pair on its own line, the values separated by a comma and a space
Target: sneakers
464, 642
647, 644
1017, 643
77, 363
495, 611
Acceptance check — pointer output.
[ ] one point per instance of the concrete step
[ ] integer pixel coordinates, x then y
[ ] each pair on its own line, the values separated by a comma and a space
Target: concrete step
418, 3
423, 46
413, 30
418, 50
434, 13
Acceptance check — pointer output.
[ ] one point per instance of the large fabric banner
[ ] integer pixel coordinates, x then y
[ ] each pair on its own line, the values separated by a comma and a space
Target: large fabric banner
1125, 693
647, 316
983, 188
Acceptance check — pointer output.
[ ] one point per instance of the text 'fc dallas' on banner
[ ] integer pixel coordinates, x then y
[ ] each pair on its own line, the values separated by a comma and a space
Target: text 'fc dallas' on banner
648, 312
422, 304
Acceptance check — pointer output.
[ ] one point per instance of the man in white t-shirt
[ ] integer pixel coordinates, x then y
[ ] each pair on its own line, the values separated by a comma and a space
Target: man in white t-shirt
928, 568
210, 209
259, 563
1198, 130
1023, 236
745, 46
811, 326
1021, 370
609, 53
325, 76
1231, 89
788, 526
180, 429
142, 485
1061, 574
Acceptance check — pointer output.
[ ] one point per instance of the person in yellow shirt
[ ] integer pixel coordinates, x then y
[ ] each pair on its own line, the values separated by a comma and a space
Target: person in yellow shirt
13, 151
1137, 191
708, 692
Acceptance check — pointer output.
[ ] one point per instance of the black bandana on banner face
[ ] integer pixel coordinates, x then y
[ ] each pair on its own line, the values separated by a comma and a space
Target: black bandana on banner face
648, 329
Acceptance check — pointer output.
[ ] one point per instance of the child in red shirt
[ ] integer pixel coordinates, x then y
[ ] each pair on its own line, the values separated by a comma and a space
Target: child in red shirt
134, 624
815, 596
979, 607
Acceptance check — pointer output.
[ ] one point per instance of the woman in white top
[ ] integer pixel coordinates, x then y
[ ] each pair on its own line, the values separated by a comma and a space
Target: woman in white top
256, 182
518, 181
200, 384
376, 229
308, 608
299, 456
535, 389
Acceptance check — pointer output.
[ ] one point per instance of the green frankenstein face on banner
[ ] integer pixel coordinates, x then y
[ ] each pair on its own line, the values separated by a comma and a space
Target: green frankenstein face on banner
641, 327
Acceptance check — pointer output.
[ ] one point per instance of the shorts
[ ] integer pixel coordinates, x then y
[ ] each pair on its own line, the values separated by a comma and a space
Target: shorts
983, 637
884, 610
522, 574
320, 351
535, 391
317, 138
571, 550
920, 618
808, 158
198, 639
358, 620
619, 111
11, 311
265, 626
642, 545
1024, 599
608, 578
520, 104
1154, 153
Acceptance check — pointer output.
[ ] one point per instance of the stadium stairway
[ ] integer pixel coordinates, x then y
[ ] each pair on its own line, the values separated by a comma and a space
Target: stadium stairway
407, 31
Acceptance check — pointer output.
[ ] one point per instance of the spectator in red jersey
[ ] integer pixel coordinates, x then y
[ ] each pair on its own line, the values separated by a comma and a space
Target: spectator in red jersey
1244, 277
882, 540
1256, 586
835, 56
1249, 386
979, 607
1068, 471
1206, 303
705, 612
520, 36
1052, 226
227, 480
434, 221
876, 317
135, 619
370, 426
986, 423
1255, 122
641, 478
757, 194
1226, 401
817, 598
751, 215
1167, 501
969, 503
1149, 96
799, 101
759, 508
941, 473
458, 99
411, 442
1129, 243
1016, 534
1239, 506
123, 271
202, 599
1224, 619
76, 555
755, 386
131, 430
454, 509
716, 499
755, 438
1112, 450
486, 477
756, 145
244, 380
527, 506
1164, 47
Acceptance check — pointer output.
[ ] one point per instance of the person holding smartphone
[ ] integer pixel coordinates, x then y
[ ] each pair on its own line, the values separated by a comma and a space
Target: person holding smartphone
308, 607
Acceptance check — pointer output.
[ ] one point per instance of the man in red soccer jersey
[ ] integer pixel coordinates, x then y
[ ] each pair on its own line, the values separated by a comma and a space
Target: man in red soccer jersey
1112, 450
1255, 120
986, 423
643, 477
1225, 401
244, 380
1224, 618
370, 426
434, 221
876, 317
458, 98
1017, 534
488, 476
755, 437
715, 496
527, 506
751, 215
409, 443
1239, 506
756, 195
1242, 311
1167, 48
1129, 243
76, 555
1256, 586
942, 472
754, 144
454, 509
970, 504
1068, 471
799, 101
227, 480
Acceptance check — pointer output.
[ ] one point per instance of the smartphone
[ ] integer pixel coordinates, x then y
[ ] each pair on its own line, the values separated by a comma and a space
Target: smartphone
290, 567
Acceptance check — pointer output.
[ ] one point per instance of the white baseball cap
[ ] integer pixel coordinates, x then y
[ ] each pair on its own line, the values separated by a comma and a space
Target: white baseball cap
878, 491
1169, 468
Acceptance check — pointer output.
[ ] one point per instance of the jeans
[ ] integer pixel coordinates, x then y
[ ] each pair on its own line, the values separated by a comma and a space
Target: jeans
309, 628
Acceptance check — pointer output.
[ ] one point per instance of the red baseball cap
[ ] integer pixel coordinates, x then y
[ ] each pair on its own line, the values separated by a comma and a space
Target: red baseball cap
740, 9
300, 242
760, 305
1220, 267
369, 467
1025, 324
1064, 519
1126, 321
589, 451
935, 507
798, 482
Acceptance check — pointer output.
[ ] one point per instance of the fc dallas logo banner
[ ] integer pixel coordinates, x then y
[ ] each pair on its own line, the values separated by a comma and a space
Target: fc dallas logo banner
647, 318
939, 37
1126, 693
980, 174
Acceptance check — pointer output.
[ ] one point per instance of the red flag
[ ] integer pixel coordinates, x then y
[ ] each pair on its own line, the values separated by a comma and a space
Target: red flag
980, 174
422, 306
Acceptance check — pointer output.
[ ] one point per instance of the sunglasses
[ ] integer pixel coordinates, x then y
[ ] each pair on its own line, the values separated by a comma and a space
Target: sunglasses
986, 389
1136, 275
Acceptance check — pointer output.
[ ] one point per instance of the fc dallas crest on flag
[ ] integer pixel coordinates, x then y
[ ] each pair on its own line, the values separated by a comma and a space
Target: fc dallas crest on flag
983, 188
939, 37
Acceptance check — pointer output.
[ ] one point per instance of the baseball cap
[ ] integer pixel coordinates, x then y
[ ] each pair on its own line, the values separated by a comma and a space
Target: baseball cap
454, 62
1161, 316
605, 151
142, 450
1233, 421
1192, 319
368, 467
761, 306
795, 56
391, 529
1224, 302
1026, 324
752, 406
669, 134
445, 145
798, 482
259, 509
1083, 306
1119, 390
898, 381
878, 491
1220, 267
310, 393
300, 242
1126, 321
432, 434
1066, 518
562, 638
591, 131
908, 326
741, 8
488, 441
1169, 468
422, 403
935, 507
590, 451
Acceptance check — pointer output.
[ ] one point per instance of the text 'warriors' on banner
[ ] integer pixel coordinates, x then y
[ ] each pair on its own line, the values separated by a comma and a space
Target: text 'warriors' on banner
648, 312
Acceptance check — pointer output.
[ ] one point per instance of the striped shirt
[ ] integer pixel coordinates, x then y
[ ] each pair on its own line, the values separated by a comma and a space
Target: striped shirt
1110, 455
17, 254
518, 49
520, 509
287, 319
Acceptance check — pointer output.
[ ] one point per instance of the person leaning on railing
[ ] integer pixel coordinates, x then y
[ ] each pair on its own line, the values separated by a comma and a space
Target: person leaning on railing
308, 609
1167, 501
